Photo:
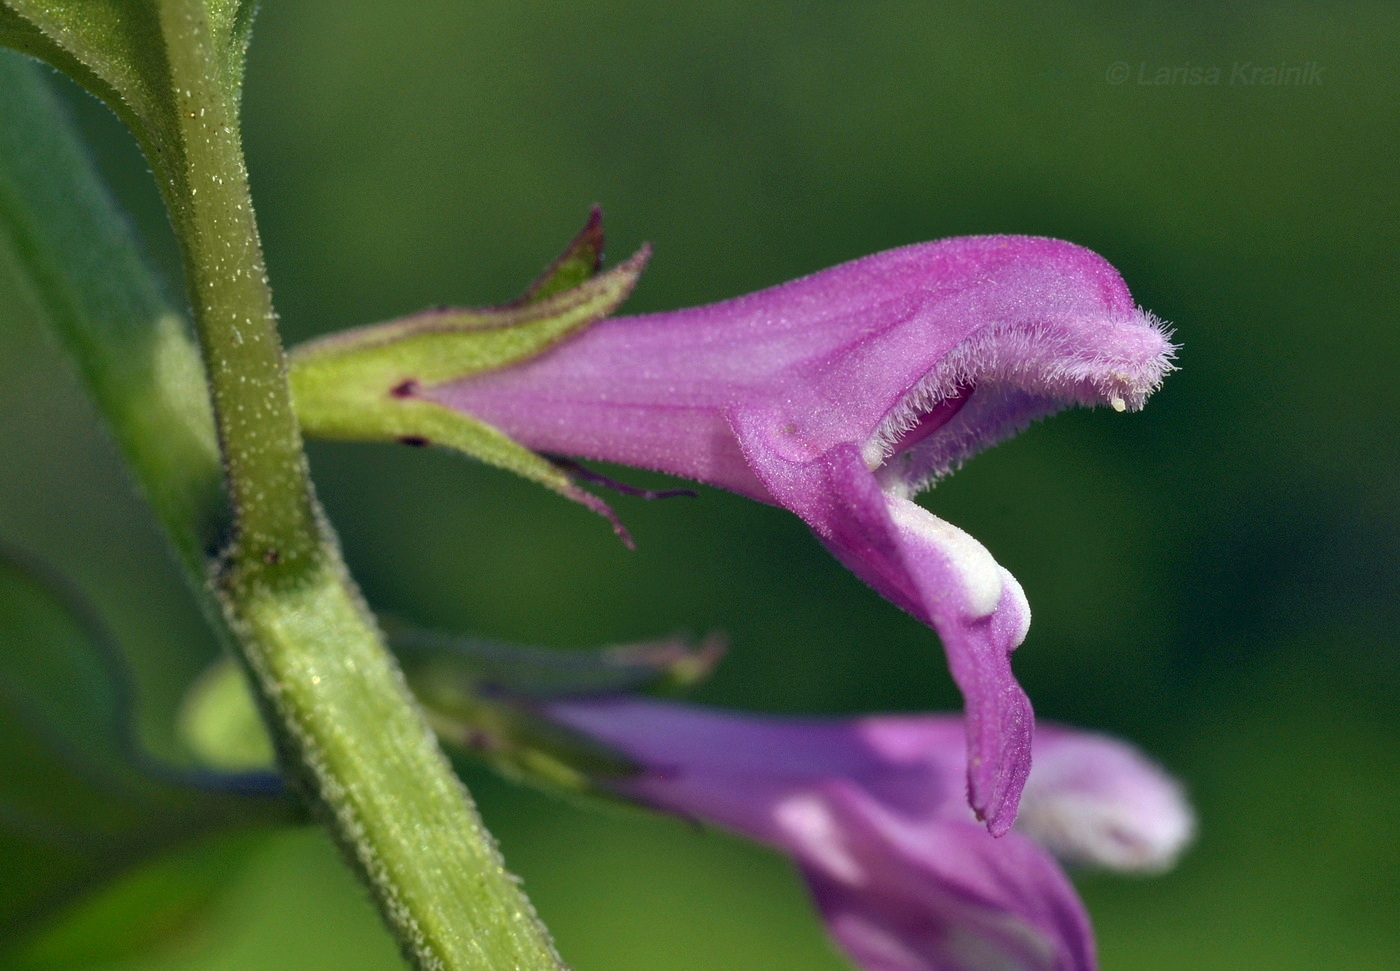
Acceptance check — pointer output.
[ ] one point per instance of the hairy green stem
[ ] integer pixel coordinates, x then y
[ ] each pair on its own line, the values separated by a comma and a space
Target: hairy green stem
347, 726
236, 324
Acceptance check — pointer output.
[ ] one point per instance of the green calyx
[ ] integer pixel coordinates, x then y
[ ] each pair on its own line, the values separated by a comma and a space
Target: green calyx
489, 700
481, 698
363, 384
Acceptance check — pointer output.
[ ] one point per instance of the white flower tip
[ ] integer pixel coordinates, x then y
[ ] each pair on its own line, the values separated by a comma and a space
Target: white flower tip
808, 821
1017, 609
981, 575
1117, 403
1095, 801
1116, 837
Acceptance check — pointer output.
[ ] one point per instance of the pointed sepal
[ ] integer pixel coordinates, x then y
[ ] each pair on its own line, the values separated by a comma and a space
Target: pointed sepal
580, 261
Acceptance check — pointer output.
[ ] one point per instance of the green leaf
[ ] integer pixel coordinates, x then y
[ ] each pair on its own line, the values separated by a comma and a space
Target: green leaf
151, 907
113, 48
359, 385
65, 244
448, 343
79, 800
231, 24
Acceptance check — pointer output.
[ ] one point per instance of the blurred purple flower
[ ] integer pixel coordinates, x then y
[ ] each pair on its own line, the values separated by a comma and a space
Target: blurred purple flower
872, 811
839, 396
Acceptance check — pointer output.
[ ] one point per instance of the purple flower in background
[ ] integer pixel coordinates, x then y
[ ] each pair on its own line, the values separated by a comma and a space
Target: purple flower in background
839, 396
872, 811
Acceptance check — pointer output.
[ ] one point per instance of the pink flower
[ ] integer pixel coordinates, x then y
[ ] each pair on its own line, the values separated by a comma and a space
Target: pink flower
872, 811
842, 394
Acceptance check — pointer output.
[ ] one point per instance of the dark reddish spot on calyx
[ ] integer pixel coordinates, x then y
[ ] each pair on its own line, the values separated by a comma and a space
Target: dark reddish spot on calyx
404, 389
416, 441
934, 419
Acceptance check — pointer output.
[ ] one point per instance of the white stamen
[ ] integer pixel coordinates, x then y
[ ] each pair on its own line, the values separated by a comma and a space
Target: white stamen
1117, 403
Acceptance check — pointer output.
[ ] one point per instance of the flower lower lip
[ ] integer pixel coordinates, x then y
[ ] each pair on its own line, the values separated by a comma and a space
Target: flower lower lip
934, 419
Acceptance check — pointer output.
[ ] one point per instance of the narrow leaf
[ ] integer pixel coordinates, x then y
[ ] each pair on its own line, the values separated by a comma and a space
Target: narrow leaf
72, 250
117, 50
114, 48
141, 915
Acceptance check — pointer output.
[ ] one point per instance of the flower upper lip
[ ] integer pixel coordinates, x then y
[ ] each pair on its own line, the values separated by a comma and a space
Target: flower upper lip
839, 395
992, 385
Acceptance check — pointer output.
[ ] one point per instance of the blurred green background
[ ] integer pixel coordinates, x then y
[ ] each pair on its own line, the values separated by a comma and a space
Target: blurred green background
1215, 578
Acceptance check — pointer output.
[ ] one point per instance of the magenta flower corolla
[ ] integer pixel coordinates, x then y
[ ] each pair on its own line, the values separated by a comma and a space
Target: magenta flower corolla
872, 811
840, 395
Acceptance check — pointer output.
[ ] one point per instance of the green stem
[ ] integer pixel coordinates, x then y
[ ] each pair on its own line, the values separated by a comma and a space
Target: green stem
334, 698
235, 321
345, 715
388, 794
